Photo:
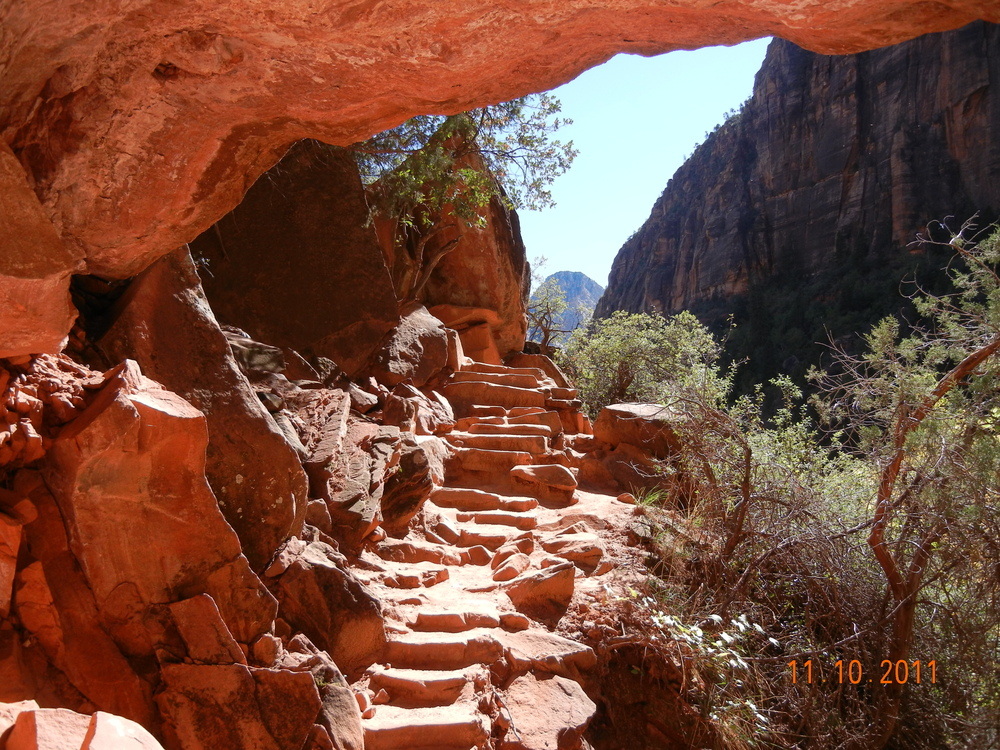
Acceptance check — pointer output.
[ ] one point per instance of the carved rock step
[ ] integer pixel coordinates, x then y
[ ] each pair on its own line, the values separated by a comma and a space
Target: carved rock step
463, 395
478, 459
501, 427
504, 370
443, 650
413, 688
479, 500
499, 518
475, 537
457, 727
518, 380
534, 444
451, 621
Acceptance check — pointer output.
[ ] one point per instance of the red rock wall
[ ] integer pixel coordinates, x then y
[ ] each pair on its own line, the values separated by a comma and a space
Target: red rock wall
139, 125
835, 160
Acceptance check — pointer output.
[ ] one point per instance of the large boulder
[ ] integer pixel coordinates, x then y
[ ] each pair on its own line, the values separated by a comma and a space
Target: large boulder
415, 353
296, 264
166, 325
320, 597
128, 476
407, 487
236, 707
647, 426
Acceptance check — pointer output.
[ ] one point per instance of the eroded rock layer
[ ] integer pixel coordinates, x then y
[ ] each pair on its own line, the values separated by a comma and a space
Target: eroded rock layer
835, 162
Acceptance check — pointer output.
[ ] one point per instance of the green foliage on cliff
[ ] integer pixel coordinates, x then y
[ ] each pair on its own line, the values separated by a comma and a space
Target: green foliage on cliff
433, 160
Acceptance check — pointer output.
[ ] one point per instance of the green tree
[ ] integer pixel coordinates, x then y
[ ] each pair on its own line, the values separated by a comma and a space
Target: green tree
924, 409
544, 311
639, 357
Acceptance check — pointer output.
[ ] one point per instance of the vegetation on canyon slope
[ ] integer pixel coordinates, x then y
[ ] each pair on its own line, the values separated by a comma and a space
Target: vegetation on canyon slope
847, 542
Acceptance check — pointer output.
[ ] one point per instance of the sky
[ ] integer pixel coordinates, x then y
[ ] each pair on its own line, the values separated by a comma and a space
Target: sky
635, 120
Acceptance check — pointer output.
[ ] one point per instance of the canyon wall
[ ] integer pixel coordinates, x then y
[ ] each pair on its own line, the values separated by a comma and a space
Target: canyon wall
824, 177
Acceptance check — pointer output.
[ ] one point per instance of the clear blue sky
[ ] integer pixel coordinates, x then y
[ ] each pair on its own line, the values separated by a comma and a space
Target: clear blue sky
635, 120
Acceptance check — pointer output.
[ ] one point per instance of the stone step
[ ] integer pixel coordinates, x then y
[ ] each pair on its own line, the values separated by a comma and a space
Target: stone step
458, 727
416, 551
504, 428
550, 419
478, 537
436, 650
563, 404
454, 621
464, 395
568, 394
413, 688
521, 521
486, 412
489, 461
534, 444
479, 500
503, 369
518, 380
465, 424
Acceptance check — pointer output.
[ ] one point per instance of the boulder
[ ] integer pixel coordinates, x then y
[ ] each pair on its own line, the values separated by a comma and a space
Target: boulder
55, 604
166, 325
647, 426
407, 487
48, 729
340, 715
35, 266
296, 263
9, 713
427, 413
547, 713
10, 542
206, 707
548, 475
110, 732
321, 598
543, 595
348, 469
584, 550
128, 476
415, 352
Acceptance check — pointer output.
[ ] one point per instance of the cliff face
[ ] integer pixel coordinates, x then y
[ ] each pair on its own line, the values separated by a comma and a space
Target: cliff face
834, 164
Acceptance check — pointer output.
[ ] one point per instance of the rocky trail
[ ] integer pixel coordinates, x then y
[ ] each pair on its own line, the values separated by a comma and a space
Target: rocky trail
474, 593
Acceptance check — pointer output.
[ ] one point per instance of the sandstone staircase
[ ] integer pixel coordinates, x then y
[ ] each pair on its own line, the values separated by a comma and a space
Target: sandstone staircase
472, 595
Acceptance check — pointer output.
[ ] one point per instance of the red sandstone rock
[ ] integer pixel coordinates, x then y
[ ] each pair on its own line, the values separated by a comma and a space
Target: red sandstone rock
648, 426
547, 714
297, 264
207, 707
415, 353
48, 729
9, 713
512, 567
201, 106
110, 732
322, 599
129, 478
35, 265
548, 475
10, 540
166, 325
545, 594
